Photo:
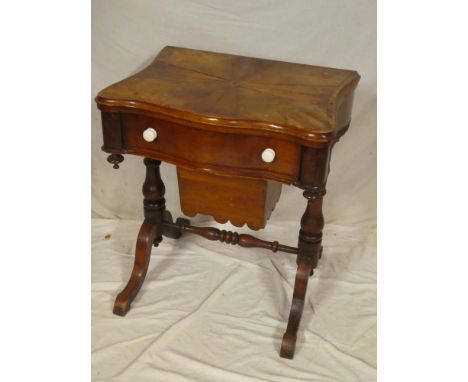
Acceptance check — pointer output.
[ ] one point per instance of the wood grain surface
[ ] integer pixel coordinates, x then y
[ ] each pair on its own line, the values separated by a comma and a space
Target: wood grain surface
237, 199
304, 101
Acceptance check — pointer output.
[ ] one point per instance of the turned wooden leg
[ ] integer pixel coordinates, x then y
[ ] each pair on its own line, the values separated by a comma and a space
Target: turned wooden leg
309, 250
150, 233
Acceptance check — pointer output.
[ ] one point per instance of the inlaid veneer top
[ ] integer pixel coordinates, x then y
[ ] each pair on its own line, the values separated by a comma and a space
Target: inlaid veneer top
236, 91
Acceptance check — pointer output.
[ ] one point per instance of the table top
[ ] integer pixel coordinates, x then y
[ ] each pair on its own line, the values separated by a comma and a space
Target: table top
237, 91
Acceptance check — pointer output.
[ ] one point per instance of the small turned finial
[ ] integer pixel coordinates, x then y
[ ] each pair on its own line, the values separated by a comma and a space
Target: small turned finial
115, 159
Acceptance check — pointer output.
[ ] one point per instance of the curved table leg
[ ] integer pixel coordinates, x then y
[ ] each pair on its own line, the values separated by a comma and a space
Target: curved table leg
309, 252
144, 245
304, 267
150, 234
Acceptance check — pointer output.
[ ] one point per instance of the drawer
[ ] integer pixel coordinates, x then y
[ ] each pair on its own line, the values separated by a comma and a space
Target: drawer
249, 155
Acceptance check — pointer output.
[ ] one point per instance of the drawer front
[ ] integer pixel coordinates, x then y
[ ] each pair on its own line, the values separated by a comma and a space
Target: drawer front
248, 155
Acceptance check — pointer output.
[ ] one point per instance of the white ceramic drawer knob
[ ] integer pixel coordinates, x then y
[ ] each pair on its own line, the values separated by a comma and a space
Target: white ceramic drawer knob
268, 155
150, 134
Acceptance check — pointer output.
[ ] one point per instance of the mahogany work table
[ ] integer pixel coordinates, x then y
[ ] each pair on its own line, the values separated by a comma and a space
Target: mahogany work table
236, 128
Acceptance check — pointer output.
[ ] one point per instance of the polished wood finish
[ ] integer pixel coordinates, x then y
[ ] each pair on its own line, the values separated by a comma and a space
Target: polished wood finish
222, 90
181, 225
150, 233
223, 197
214, 114
215, 151
309, 251
111, 131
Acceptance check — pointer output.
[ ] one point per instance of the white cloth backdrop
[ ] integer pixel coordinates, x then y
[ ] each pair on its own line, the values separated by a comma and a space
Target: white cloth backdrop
212, 312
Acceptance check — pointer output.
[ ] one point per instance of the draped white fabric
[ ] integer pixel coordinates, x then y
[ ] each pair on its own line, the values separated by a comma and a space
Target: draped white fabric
215, 312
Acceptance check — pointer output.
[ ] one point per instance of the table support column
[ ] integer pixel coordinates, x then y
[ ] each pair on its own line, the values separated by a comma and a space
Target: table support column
309, 251
150, 233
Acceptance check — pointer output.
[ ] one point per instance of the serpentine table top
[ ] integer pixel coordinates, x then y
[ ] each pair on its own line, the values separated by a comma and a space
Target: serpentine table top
226, 90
